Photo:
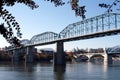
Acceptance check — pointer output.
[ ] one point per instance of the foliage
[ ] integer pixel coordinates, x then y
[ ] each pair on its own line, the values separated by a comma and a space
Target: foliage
109, 6
7, 32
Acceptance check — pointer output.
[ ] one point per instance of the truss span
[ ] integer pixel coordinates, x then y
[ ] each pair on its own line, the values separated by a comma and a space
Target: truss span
98, 26
44, 37
94, 25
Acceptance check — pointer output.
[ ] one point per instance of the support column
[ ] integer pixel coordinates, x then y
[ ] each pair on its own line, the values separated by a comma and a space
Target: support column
109, 58
29, 55
59, 56
15, 57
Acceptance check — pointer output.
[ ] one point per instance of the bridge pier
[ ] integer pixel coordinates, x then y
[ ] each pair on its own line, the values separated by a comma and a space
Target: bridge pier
59, 56
29, 57
109, 59
15, 57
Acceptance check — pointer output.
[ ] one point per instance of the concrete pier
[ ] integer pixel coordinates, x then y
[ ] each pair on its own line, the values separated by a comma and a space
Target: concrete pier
109, 58
29, 57
59, 56
16, 57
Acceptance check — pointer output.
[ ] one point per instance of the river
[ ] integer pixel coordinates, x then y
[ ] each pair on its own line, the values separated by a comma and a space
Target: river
45, 71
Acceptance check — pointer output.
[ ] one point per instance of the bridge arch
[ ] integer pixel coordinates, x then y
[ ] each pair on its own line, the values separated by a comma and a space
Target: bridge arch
44, 37
84, 57
97, 57
92, 55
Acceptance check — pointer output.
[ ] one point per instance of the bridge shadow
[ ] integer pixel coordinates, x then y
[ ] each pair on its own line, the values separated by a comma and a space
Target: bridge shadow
59, 72
60, 69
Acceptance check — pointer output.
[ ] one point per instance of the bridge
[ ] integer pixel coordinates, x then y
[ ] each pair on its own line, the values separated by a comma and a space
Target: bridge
90, 56
98, 26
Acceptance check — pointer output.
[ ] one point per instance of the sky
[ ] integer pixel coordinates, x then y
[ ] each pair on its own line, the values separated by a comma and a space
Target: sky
50, 18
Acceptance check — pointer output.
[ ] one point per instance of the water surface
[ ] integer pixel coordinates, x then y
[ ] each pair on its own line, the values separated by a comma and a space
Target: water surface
45, 71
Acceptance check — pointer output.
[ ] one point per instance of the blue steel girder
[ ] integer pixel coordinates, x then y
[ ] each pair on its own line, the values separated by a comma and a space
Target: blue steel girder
44, 37
101, 23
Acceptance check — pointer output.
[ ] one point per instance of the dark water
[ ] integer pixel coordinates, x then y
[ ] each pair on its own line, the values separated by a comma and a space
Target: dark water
44, 71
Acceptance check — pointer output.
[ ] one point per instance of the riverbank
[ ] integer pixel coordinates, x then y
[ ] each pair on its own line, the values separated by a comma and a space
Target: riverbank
38, 57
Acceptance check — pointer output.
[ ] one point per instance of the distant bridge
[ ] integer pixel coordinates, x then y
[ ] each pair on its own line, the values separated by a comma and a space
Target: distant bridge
89, 56
113, 50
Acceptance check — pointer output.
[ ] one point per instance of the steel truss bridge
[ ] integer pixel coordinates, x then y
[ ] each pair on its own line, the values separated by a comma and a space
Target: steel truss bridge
113, 50
98, 26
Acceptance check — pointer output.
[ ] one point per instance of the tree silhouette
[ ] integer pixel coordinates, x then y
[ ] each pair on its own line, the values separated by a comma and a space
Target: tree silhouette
109, 6
7, 31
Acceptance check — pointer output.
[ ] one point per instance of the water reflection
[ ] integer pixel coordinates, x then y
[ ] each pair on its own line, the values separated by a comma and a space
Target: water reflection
59, 75
60, 69
45, 71
59, 72
19, 67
